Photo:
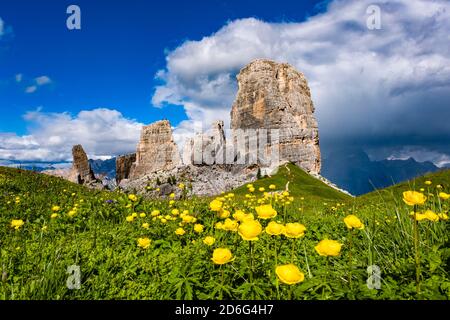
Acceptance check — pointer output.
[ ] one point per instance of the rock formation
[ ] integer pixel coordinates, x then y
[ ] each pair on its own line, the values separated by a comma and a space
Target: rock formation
276, 96
207, 148
81, 171
156, 150
124, 165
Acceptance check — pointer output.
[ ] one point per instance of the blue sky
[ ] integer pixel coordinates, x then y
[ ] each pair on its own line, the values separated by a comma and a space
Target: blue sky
111, 62
135, 62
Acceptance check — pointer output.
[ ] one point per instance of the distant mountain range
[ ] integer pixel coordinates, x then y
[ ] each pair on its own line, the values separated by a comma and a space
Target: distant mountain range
106, 167
353, 171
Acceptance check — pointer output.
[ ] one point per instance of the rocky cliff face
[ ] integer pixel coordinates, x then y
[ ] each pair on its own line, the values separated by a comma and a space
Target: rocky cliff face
124, 165
276, 96
81, 172
207, 148
156, 150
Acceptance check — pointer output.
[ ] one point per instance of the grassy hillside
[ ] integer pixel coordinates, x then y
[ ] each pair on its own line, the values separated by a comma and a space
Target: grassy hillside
127, 247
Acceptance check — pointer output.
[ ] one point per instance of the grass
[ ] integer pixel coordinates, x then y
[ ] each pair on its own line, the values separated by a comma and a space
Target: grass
91, 231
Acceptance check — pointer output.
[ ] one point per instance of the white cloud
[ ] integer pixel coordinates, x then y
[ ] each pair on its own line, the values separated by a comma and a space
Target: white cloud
40, 81
31, 89
369, 85
102, 132
2, 25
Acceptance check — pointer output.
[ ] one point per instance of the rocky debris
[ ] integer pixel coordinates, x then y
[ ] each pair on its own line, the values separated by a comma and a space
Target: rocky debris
123, 166
274, 95
202, 180
81, 172
156, 150
207, 148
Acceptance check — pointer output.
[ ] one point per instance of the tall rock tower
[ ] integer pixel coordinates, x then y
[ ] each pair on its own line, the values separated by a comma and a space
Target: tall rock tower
156, 150
276, 96
81, 172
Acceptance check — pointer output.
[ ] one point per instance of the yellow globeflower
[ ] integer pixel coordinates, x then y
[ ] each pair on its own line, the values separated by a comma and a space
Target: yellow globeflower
181, 186
239, 215
198, 228
175, 212
222, 214
142, 215
219, 225
419, 216
412, 198
180, 231
352, 221
16, 224
444, 196
144, 243
129, 218
188, 219
328, 248
261, 189
155, 213
428, 182
145, 225
294, 230
132, 197
215, 205
272, 187
172, 195
54, 216
274, 228
250, 230
443, 216
230, 225
266, 211
222, 256
431, 216
209, 240
56, 208
251, 189
289, 274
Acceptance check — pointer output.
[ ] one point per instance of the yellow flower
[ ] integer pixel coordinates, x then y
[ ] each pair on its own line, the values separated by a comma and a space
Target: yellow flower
250, 230
71, 213
171, 202
289, 274
239, 215
16, 224
209, 240
222, 256
328, 248
274, 228
142, 215
132, 197
144, 243
428, 182
222, 214
251, 189
230, 225
145, 225
54, 216
56, 208
266, 211
443, 216
180, 231
134, 215
261, 189
219, 225
130, 218
175, 212
419, 216
215, 205
412, 198
172, 195
155, 213
188, 219
272, 187
181, 186
444, 196
352, 221
198, 228
294, 230
439, 186
163, 220
431, 216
